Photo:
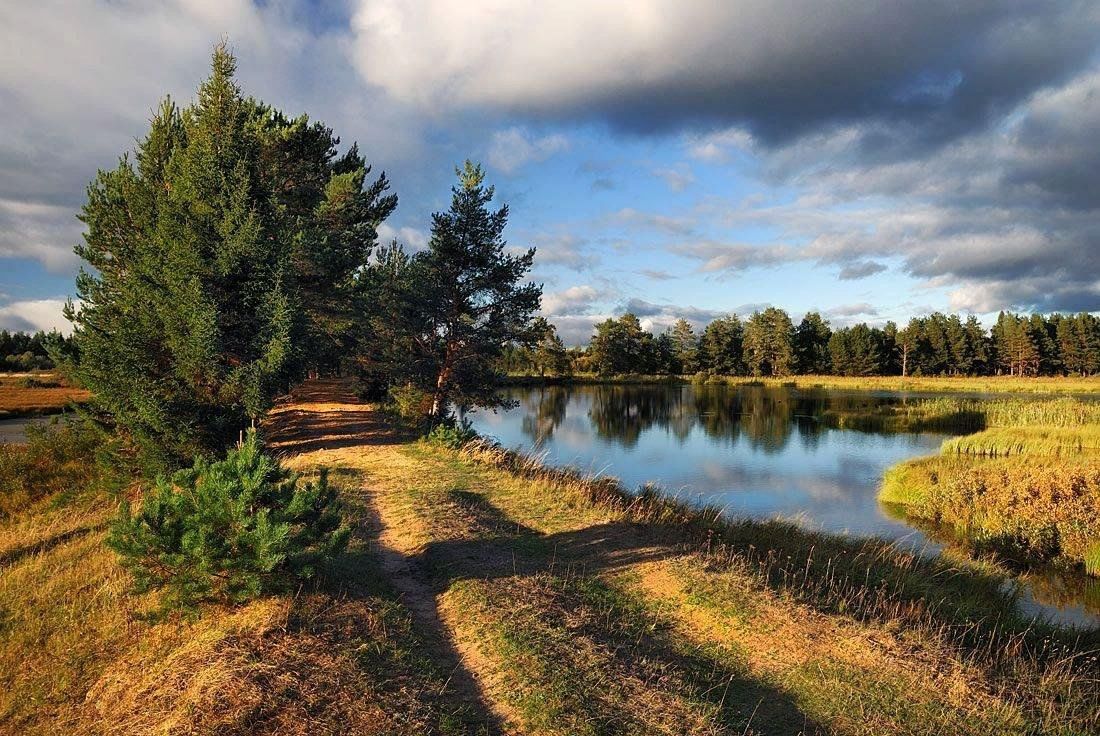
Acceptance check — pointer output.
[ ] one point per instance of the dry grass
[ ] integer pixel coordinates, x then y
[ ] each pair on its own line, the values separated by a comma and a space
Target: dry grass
485, 593
975, 384
42, 393
1042, 507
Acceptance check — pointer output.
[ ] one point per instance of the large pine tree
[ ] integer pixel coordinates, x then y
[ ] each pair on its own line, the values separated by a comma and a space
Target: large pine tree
467, 298
232, 243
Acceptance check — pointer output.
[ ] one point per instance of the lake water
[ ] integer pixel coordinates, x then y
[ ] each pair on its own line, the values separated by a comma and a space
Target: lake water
753, 451
14, 431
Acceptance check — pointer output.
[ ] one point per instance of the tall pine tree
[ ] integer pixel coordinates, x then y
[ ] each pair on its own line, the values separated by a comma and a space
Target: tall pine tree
230, 244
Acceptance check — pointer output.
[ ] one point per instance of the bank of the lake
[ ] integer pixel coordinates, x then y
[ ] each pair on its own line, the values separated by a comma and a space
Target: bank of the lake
36, 394
1054, 385
485, 593
815, 456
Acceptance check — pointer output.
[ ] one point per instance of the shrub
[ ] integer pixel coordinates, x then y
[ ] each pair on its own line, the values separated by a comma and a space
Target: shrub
58, 458
410, 402
34, 382
452, 434
229, 529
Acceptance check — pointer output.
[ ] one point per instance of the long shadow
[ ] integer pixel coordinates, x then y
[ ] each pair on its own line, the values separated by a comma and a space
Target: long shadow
13, 556
518, 551
414, 591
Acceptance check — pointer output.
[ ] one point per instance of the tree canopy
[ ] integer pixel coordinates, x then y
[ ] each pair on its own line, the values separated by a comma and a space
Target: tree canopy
221, 259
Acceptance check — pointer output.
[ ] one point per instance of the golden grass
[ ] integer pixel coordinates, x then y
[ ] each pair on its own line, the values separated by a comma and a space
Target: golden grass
976, 384
1007, 441
486, 593
39, 393
1045, 507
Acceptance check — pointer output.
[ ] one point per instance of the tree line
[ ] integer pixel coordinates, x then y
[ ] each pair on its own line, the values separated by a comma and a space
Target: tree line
236, 252
769, 343
28, 351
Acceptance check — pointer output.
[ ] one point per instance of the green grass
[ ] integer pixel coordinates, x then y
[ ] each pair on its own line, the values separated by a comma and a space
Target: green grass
1007, 441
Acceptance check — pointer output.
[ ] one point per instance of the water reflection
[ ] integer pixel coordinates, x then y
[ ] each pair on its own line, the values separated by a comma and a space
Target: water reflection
753, 450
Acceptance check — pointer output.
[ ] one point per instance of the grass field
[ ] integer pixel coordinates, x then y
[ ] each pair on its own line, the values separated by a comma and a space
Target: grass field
931, 384
29, 394
486, 594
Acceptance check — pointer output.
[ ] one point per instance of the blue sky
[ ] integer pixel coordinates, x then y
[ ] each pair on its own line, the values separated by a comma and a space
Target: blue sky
869, 160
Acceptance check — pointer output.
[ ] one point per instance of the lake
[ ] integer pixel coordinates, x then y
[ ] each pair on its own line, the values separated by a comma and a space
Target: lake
754, 451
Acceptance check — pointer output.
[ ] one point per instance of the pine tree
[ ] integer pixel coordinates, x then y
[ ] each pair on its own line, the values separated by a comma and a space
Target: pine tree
811, 344
215, 255
685, 348
229, 529
768, 343
721, 345
550, 354
471, 294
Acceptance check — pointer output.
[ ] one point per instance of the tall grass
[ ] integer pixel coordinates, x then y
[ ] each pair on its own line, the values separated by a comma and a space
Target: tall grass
950, 414
59, 460
1038, 507
1007, 441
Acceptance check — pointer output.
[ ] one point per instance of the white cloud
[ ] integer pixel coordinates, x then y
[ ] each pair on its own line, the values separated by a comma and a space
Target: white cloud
33, 315
412, 238
574, 300
513, 148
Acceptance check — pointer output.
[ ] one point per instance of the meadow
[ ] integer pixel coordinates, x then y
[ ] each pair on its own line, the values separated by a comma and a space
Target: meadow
485, 592
31, 394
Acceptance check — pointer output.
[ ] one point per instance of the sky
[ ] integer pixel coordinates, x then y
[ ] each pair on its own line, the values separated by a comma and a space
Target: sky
674, 158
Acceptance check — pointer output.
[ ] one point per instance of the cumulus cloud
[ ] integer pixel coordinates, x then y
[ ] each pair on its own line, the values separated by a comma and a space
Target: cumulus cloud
574, 300
658, 317
412, 238
935, 65
852, 310
514, 148
677, 178
564, 249
33, 315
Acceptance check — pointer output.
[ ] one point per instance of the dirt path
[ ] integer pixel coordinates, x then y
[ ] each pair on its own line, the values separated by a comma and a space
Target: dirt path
554, 616
323, 422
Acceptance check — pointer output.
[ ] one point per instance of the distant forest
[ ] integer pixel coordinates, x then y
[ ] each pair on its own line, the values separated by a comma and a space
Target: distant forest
769, 344
24, 351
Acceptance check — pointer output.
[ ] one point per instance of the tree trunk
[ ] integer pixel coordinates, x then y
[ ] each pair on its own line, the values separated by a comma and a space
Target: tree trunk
440, 395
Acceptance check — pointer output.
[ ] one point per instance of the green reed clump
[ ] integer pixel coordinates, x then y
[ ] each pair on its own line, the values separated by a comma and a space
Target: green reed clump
1007, 441
948, 414
1043, 507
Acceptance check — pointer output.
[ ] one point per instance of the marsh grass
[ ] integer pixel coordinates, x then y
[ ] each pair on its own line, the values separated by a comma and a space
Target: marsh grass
950, 414
1032, 506
1008, 441
40, 393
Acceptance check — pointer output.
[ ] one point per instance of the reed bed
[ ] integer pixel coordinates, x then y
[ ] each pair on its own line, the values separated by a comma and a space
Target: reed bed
1040, 508
1009, 441
950, 414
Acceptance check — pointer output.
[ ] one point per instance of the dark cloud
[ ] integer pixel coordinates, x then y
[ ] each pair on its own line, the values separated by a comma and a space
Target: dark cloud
930, 69
860, 270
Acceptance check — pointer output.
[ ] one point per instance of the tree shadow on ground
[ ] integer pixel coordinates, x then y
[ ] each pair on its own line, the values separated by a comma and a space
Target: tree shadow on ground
508, 550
